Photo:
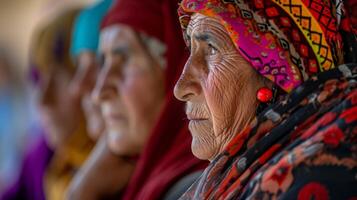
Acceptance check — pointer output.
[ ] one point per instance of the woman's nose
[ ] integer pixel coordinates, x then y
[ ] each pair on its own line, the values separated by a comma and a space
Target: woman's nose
188, 85
106, 85
84, 80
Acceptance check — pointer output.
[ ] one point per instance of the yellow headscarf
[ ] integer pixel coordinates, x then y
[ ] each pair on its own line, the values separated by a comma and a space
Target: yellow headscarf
52, 42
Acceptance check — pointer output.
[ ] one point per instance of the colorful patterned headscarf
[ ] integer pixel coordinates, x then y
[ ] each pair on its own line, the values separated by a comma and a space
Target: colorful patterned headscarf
295, 148
87, 27
286, 41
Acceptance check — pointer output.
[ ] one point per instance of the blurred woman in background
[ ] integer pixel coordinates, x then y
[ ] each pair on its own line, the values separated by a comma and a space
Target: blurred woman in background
84, 45
49, 166
141, 56
100, 175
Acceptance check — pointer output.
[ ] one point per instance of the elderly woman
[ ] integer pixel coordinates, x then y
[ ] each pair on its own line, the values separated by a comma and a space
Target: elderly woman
84, 45
93, 181
140, 58
268, 102
62, 116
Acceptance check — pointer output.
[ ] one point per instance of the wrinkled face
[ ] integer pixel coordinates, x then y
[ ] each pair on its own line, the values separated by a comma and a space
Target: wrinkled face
218, 86
129, 90
59, 108
83, 84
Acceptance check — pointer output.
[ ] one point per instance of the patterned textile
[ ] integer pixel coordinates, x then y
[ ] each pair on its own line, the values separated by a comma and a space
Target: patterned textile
303, 147
286, 41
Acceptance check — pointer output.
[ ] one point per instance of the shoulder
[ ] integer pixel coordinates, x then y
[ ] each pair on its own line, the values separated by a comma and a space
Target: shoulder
37, 155
308, 171
320, 163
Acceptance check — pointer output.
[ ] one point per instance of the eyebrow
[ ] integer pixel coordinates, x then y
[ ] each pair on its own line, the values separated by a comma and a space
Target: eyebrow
205, 37
120, 50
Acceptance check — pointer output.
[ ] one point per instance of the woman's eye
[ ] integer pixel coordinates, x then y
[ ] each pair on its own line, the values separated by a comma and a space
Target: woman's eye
123, 59
188, 48
100, 61
212, 50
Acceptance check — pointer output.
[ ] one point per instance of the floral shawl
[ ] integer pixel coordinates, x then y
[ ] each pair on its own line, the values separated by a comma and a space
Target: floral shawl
304, 145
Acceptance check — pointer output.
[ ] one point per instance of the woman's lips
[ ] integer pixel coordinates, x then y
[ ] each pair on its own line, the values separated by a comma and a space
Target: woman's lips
114, 118
197, 123
195, 118
111, 113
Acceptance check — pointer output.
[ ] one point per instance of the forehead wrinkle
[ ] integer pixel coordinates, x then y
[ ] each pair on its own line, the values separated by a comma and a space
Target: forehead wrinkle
201, 24
195, 19
216, 31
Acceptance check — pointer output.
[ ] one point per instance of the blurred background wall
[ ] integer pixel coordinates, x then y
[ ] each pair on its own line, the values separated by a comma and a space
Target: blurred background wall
18, 20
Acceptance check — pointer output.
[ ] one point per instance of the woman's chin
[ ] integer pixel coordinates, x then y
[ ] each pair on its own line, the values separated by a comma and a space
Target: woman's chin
200, 149
95, 131
120, 145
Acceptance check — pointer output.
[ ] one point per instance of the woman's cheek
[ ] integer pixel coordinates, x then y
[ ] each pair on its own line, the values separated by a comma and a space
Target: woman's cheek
138, 93
221, 91
213, 92
71, 104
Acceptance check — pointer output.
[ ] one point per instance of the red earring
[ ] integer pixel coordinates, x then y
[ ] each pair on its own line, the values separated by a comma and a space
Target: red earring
264, 94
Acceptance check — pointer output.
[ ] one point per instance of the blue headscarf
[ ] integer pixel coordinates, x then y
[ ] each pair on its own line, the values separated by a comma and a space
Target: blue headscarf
87, 27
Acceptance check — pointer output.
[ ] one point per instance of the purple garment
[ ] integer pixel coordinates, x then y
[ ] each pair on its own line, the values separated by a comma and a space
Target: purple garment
29, 185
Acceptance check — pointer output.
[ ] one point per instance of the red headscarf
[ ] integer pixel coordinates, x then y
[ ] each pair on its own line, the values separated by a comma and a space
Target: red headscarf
167, 156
